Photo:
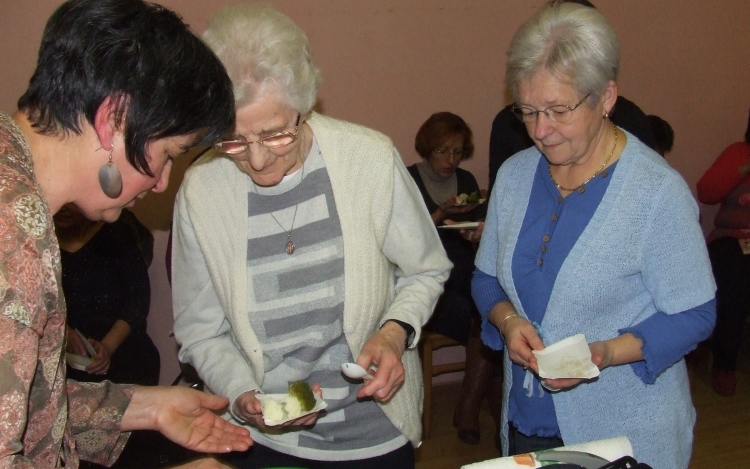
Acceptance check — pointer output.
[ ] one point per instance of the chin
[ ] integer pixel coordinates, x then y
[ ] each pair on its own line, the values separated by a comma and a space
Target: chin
111, 215
266, 180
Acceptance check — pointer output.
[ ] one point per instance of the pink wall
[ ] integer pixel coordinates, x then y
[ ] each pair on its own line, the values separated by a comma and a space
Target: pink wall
389, 64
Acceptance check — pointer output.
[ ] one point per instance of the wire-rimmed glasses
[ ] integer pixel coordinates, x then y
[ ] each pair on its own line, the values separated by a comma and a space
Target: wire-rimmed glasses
557, 113
240, 145
447, 151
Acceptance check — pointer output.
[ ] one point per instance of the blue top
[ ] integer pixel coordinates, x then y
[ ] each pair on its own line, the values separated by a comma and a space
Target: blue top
627, 255
550, 228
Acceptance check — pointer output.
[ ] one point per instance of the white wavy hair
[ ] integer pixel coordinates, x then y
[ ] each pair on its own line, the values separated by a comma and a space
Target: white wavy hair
570, 41
264, 51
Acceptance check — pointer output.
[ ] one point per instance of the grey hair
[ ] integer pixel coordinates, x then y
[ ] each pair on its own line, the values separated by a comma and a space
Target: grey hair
569, 41
263, 51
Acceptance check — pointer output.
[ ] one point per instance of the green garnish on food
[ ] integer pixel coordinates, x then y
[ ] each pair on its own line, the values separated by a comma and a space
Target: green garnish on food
303, 393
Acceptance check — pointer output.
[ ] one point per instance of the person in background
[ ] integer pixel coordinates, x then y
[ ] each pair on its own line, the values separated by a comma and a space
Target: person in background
107, 292
89, 131
727, 182
508, 135
580, 239
444, 141
299, 244
663, 134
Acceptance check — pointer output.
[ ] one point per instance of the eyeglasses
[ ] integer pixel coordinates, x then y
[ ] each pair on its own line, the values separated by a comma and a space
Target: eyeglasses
557, 113
240, 145
447, 151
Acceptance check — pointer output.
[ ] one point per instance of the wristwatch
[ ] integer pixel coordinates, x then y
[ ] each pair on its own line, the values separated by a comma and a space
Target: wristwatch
410, 332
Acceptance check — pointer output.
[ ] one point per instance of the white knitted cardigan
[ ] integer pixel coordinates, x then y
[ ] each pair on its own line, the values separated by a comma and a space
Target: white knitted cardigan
214, 199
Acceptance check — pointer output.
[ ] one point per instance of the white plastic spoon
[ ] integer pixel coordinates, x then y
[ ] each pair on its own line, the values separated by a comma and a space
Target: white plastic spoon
355, 371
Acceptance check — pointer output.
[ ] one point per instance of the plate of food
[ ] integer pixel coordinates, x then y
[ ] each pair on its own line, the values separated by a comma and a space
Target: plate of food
282, 408
469, 225
475, 197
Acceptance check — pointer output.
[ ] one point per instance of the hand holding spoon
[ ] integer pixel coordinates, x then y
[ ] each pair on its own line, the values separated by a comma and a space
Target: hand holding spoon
354, 371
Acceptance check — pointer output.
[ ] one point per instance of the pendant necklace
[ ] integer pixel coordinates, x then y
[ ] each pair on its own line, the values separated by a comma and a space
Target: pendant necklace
580, 187
289, 248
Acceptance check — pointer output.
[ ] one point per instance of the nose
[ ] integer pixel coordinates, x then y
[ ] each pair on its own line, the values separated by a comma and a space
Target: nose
257, 155
454, 159
163, 182
543, 126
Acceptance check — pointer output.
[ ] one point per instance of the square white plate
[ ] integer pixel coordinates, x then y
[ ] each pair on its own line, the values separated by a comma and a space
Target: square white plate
320, 404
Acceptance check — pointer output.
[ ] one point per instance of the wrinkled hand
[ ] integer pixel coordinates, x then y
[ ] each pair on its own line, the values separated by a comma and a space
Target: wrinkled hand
185, 416
383, 349
102, 359
204, 463
249, 408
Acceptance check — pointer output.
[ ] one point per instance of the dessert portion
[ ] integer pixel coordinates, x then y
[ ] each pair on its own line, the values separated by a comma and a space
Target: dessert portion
279, 408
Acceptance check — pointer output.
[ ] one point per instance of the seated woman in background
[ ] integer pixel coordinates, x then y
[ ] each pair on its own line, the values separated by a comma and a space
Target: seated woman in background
106, 286
444, 141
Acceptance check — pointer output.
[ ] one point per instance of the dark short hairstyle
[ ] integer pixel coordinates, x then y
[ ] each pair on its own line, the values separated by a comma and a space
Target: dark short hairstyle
663, 134
164, 80
437, 129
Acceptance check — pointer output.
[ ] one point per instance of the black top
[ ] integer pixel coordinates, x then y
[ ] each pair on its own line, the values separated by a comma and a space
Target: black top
106, 280
509, 135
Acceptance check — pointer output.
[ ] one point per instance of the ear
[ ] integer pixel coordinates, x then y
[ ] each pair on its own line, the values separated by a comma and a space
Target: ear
609, 97
105, 122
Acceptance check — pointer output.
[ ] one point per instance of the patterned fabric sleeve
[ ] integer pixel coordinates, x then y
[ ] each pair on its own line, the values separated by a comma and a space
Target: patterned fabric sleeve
96, 410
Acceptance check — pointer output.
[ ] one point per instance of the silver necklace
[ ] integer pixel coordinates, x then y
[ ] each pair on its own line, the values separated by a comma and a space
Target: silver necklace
289, 243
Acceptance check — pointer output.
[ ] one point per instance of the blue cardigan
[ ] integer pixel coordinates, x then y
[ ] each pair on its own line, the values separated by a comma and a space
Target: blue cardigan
642, 252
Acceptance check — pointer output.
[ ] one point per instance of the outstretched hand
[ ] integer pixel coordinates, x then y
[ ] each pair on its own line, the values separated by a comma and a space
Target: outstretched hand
187, 417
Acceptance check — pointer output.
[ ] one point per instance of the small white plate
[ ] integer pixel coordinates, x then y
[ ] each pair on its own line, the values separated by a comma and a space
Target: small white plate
320, 404
78, 362
568, 358
469, 225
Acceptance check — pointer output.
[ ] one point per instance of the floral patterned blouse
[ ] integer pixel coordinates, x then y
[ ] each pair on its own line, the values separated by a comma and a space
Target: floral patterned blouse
45, 420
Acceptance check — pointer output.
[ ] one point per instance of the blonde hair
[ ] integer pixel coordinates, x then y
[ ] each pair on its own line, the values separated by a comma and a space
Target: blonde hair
264, 50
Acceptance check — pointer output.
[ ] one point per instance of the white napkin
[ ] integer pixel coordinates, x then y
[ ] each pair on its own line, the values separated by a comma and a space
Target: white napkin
609, 449
569, 358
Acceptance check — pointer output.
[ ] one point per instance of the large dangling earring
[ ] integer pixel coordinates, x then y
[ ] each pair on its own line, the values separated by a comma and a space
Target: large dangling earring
110, 179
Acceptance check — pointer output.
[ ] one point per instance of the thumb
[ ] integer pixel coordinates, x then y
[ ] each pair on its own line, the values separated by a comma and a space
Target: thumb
212, 401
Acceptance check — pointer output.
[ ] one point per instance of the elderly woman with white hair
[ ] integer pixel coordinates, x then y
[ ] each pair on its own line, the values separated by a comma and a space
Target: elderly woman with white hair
302, 243
590, 232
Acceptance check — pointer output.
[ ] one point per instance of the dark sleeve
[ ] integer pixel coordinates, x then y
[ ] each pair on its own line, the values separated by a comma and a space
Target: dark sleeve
508, 137
627, 115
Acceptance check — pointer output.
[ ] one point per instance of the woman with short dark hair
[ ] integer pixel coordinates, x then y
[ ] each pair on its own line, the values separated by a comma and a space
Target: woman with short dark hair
121, 88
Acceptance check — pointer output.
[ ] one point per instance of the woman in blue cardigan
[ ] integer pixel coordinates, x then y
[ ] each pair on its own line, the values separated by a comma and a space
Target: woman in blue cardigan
590, 232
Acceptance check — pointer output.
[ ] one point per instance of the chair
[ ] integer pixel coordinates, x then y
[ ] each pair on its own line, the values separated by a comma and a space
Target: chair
430, 342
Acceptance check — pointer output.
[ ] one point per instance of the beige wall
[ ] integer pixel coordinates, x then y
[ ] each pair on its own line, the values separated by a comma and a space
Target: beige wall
389, 64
